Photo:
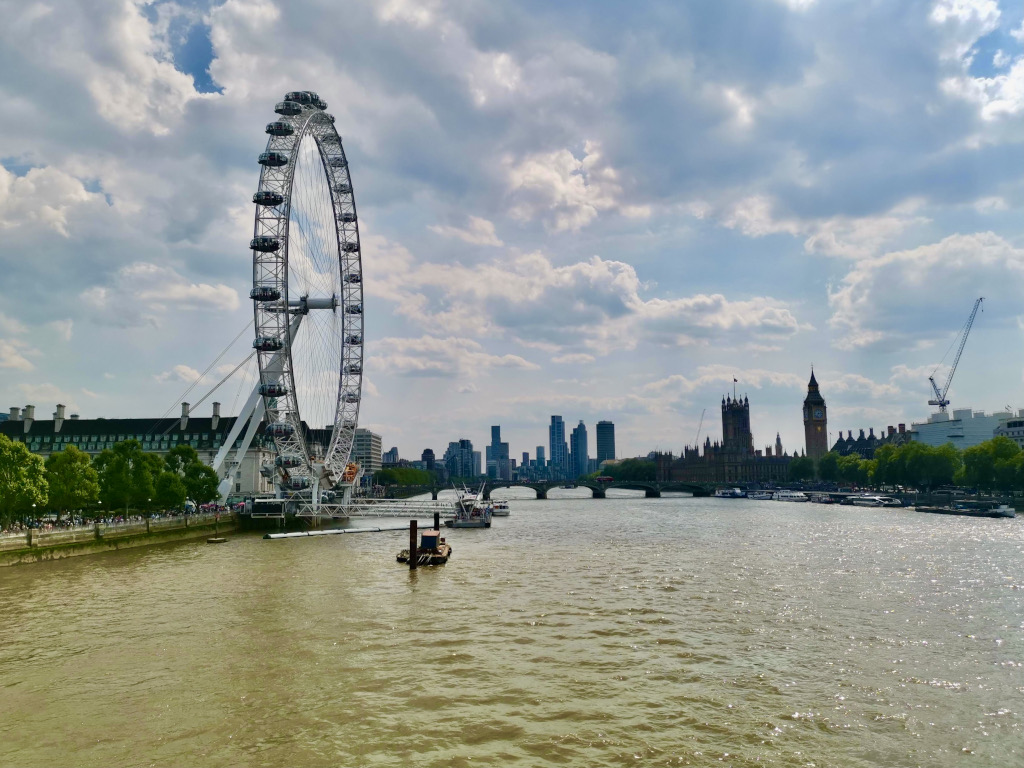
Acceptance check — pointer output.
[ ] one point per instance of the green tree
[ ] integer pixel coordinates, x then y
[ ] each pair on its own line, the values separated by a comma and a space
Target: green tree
849, 468
981, 462
169, 490
631, 469
72, 479
126, 476
22, 480
884, 465
201, 483
199, 480
403, 476
801, 468
828, 467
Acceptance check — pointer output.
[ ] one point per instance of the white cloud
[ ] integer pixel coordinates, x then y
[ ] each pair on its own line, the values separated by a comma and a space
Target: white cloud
63, 328
1001, 95
179, 373
11, 325
578, 358
906, 294
13, 354
844, 236
43, 197
596, 304
142, 292
566, 192
722, 377
434, 357
478, 232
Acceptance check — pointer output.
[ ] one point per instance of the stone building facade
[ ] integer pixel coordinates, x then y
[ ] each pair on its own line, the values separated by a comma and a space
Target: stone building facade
734, 460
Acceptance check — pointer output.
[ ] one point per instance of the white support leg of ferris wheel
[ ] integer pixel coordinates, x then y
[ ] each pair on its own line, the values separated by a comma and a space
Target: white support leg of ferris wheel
251, 413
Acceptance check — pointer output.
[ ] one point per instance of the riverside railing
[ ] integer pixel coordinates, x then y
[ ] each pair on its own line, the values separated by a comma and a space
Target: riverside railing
38, 537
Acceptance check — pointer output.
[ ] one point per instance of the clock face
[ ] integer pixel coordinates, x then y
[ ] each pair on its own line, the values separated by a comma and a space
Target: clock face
818, 413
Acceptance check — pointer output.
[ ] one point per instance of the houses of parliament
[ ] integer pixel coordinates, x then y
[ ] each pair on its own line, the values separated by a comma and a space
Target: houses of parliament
734, 459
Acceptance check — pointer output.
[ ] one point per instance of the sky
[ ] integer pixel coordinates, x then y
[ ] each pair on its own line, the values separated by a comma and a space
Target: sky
591, 209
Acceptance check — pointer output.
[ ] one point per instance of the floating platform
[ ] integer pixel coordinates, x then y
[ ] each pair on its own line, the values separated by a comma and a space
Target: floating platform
996, 511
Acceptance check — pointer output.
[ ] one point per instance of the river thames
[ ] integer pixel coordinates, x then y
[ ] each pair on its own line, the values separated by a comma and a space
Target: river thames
577, 632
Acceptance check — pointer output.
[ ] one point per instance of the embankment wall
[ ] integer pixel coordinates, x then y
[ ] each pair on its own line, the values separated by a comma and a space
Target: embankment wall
37, 546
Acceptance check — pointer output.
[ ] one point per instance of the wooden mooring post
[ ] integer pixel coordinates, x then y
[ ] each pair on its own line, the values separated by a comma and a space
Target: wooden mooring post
437, 521
413, 554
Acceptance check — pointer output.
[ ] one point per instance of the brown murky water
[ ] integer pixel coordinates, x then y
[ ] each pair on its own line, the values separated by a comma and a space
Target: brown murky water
576, 632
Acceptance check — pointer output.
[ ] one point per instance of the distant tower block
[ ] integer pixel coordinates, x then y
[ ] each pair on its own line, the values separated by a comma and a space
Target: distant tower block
815, 421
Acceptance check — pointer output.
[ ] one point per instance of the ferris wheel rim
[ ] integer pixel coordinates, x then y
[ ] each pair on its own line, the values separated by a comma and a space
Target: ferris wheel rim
279, 313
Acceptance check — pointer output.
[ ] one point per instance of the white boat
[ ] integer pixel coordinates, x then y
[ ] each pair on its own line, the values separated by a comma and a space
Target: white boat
875, 501
759, 495
821, 498
730, 493
500, 509
789, 496
471, 511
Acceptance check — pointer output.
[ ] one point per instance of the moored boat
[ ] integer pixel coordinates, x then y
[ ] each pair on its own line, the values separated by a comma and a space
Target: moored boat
984, 510
789, 496
730, 493
821, 498
759, 495
432, 550
500, 509
875, 501
471, 512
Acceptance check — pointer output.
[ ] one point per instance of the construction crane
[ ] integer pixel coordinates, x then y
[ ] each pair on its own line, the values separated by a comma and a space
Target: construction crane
940, 397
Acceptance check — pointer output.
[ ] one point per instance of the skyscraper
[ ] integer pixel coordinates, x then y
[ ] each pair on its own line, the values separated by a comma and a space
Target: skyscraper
461, 460
578, 449
498, 465
540, 456
605, 441
559, 450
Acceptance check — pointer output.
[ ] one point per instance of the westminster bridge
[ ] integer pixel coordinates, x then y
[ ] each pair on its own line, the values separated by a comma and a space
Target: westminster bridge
652, 489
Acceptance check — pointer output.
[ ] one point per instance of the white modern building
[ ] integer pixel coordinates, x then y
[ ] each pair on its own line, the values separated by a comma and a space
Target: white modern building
1013, 428
366, 451
963, 428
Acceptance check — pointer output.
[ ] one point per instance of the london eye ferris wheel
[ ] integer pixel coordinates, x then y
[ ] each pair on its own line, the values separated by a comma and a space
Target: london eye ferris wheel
307, 296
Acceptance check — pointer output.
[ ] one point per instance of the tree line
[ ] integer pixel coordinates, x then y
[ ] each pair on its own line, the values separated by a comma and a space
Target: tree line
994, 465
122, 477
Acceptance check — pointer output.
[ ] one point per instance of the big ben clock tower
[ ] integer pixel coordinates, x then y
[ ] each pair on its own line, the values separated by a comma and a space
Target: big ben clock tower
815, 421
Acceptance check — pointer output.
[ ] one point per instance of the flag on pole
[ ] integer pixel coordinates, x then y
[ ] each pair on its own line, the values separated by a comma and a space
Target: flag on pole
734, 380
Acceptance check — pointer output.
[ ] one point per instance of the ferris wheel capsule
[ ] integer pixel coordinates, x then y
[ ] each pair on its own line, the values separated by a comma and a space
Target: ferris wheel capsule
280, 128
288, 108
265, 197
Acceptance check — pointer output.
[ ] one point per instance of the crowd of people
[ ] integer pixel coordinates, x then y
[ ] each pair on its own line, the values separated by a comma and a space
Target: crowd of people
52, 522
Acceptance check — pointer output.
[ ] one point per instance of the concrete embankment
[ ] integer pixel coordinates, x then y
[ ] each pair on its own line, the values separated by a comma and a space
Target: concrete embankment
36, 546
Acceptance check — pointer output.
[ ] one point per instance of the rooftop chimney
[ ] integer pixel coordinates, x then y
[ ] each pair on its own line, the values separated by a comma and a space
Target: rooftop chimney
74, 417
216, 416
15, 413
58, 418
28, 416
184, 416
